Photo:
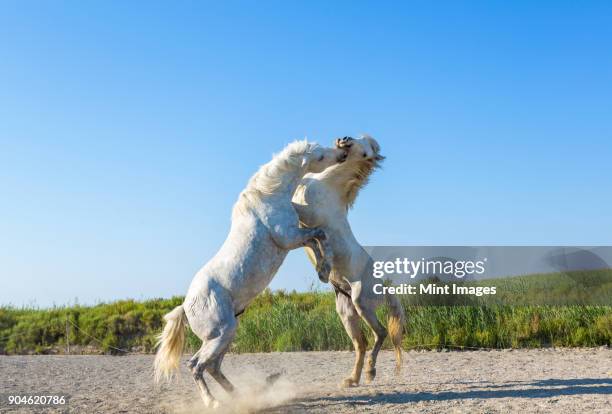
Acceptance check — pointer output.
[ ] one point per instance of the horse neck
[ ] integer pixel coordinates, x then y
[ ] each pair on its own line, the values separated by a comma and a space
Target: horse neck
278, 178
326, 207
288, 185
342, 178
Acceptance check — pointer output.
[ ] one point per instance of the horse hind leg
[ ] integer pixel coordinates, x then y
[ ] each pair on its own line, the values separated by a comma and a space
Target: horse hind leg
208, 358
215, 371
350, 319
216, 325
366, 310
197, 370
207, 397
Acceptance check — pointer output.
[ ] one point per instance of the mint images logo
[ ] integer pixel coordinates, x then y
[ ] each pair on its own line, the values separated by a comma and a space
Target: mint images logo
428, 267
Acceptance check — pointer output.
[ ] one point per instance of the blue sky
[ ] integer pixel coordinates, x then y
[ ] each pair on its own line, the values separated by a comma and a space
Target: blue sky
128, 130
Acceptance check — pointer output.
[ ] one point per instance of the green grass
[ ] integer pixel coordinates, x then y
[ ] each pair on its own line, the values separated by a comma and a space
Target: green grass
307, 321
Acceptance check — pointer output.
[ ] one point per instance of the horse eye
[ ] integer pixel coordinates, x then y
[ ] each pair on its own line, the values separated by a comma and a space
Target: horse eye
365, 154
321, 157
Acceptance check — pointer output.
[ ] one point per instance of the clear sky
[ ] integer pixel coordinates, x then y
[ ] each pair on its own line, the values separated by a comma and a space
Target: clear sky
127, 129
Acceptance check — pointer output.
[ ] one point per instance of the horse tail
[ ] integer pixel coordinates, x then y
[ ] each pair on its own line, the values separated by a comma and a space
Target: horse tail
395, 326
170, 344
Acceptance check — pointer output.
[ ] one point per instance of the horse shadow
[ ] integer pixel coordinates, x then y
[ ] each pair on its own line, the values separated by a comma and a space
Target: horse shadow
547, 388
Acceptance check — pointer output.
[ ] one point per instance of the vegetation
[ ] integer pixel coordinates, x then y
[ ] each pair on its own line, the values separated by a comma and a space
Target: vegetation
283, 321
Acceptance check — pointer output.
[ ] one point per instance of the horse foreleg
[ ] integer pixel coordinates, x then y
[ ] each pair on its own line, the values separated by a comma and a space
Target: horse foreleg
367, 310
289, 238
350, 319
322, 261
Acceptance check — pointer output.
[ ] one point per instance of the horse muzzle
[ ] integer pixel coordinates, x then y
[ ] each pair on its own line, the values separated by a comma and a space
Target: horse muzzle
344, 143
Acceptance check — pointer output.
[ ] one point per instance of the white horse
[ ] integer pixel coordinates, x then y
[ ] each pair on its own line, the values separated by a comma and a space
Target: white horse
322, 201
264, 228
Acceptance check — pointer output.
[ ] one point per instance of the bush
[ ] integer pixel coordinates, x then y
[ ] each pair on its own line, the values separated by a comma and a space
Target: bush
293, 321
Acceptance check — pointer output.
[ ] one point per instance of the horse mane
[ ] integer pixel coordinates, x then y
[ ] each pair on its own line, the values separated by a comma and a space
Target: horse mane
272, 175
361, 174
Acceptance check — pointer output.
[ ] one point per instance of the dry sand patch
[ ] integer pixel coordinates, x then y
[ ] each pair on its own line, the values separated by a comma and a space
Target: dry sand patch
546, 380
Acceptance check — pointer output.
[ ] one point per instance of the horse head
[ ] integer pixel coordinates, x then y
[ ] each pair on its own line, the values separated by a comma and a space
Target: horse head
362, 149
319, 158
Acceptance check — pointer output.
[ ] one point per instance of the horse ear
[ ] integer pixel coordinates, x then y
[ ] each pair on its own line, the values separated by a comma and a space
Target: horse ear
379, 157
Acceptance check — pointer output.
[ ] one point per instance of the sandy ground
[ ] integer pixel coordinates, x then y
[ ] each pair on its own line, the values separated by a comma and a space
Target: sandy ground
559, 381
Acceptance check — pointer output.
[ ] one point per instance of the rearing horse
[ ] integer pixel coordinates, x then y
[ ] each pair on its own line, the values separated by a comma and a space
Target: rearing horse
322, 200
264, 228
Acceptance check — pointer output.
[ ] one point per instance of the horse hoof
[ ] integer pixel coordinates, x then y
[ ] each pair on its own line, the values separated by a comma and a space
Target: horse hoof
348, 383
370, 375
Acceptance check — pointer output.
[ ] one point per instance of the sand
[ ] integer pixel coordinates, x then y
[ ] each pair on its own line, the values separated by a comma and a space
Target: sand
549, 380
